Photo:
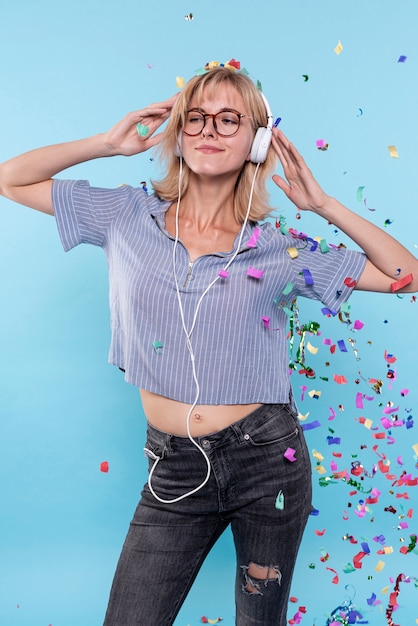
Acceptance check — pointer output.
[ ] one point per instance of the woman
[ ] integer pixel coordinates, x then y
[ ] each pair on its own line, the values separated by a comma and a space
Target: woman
198, 293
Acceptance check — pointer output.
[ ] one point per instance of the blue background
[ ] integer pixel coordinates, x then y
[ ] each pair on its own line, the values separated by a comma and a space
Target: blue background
70, 70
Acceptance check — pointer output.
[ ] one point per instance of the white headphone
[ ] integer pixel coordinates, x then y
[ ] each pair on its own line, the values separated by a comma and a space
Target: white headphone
262, 139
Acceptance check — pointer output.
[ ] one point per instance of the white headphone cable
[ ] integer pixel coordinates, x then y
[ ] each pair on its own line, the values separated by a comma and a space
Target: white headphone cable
188, 334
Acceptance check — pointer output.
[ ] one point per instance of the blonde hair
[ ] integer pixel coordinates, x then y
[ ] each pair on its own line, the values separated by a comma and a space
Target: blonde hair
167, 187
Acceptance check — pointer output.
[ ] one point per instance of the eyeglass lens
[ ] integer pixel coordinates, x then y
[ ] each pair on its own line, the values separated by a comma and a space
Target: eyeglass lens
226, 123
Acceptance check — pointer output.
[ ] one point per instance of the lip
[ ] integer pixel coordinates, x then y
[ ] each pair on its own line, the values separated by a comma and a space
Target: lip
208, 149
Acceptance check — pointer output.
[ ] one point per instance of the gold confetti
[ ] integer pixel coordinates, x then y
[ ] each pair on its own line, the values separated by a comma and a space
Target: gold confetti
179, 81
338, 48
393, 152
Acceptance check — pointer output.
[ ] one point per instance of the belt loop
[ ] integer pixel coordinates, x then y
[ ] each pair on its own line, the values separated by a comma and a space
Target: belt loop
238, 432
167, 443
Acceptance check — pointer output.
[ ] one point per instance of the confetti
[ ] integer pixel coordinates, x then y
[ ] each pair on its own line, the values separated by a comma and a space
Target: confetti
335, 580
321, 144
402, 59
350, 282
359, 194
158, 346
142, 129
252, 242
399, 284
290, 455
255, 273
305, 77
104, 466
338, 48
292, 252
279, 504
179, 82
393, 152
308, 277
340, 379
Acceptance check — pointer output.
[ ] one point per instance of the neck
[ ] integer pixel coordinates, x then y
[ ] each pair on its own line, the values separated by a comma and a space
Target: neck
208, 203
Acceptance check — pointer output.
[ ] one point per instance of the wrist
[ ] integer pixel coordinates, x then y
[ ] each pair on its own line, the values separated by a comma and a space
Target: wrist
328, 209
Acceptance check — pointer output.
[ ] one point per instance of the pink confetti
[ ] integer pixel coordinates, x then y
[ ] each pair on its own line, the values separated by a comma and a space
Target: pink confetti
255, 273
290, 455
252, 242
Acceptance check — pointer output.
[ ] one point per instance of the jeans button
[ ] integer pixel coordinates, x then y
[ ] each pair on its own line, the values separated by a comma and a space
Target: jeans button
246, 436
206, 444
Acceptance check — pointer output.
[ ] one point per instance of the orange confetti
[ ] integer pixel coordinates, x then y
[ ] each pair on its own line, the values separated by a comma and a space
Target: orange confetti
340, 379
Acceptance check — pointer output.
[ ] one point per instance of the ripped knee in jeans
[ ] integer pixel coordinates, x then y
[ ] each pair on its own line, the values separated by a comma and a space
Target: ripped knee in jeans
256, 576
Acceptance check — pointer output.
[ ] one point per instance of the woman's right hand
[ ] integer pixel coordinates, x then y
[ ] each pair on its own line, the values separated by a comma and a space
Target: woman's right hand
134, 133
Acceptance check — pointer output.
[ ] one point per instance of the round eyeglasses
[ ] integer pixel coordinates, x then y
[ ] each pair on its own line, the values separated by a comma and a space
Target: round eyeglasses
226, 122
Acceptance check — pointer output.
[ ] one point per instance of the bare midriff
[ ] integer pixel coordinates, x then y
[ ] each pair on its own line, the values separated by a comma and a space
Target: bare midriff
170, 416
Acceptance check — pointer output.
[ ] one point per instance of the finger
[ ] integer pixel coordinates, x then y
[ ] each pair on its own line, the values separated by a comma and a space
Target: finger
153, 141
281, 183
280, 152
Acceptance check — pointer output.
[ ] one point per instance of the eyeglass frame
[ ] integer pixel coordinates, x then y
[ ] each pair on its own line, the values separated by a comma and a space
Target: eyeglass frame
213, 116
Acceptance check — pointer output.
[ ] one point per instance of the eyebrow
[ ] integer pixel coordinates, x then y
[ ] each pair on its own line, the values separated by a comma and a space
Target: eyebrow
223, 110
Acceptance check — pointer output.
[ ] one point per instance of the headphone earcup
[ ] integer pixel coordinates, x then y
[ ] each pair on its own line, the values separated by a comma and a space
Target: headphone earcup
177, 149
261, 144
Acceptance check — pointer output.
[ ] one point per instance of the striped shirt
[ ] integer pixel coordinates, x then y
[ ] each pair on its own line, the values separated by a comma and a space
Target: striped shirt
239, 339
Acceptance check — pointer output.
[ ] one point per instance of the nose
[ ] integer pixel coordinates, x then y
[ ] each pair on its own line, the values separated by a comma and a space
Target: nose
209, 126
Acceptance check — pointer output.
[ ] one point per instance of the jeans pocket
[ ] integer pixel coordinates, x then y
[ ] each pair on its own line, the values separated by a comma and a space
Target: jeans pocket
279, 427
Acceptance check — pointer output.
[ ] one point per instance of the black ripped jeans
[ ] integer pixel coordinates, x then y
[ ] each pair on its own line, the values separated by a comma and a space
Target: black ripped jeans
264, 495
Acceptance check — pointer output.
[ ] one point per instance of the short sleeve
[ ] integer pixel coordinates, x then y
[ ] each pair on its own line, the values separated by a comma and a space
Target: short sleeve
327, 274
84, 214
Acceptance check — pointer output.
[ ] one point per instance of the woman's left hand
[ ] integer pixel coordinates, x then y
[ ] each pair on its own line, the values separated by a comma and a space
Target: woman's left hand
299, 184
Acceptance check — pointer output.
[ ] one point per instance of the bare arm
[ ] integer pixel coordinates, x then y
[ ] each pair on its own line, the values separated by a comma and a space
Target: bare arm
385, 255
27, 179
